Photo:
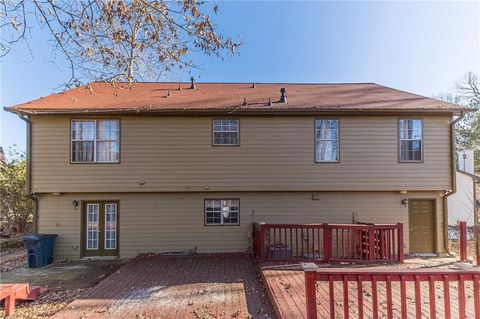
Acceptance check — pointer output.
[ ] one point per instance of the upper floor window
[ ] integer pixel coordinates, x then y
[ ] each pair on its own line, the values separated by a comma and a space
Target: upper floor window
411, 140
226, 132
95, 141
326, 140
222, 212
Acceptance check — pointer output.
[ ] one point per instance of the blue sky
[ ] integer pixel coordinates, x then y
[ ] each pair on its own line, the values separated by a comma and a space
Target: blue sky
421, 47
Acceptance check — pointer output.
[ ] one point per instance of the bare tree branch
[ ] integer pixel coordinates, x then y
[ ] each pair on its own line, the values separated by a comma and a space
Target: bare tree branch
118, 40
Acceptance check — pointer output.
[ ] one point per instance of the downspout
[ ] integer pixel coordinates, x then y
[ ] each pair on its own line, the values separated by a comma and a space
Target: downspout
28, 188
453, 167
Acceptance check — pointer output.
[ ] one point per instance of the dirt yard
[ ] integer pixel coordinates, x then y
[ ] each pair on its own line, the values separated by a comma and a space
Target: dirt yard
66, 280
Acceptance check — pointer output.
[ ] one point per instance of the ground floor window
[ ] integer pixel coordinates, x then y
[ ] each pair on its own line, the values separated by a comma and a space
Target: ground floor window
222, 211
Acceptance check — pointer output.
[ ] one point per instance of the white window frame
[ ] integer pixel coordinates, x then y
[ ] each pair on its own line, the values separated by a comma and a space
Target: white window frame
222, 200
412, 140
95, 140
236, 131
327, 140
98, 228
105, 212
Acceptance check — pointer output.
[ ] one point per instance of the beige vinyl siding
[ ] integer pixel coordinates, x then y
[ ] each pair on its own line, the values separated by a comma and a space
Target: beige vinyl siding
174, 154
159, 222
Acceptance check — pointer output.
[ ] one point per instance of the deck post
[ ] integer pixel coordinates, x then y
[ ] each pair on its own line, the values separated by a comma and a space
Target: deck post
262, 240
371, 244
10, 304
327, 243
463, 240
310, 291
400, 243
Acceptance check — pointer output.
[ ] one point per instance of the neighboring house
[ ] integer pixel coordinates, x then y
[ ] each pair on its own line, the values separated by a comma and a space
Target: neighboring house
462, 204
120, 170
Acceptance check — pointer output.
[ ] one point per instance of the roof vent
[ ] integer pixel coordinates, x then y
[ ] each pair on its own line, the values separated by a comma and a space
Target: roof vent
270, 102
192, 86
283, 97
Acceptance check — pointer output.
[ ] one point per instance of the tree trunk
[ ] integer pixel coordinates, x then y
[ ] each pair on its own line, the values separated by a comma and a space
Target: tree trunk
20, 227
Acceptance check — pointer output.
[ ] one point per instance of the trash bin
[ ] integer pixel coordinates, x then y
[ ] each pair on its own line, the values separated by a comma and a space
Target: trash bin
39, 249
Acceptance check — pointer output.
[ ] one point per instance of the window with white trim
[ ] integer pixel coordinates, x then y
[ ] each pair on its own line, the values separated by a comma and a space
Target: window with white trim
95, 141
411, 140
226, 132
326, 140
222, 212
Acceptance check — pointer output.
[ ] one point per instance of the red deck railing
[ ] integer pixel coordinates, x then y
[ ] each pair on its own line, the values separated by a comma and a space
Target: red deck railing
328, 242
400, 277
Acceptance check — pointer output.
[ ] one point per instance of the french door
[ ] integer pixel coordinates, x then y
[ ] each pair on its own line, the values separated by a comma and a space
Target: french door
100, 228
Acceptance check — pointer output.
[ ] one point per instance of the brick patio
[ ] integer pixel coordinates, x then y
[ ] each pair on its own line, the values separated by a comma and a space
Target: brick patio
285, 284
200, 286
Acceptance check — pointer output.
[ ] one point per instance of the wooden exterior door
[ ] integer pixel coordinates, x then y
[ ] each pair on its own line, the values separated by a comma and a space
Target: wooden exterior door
100, 228
421, 216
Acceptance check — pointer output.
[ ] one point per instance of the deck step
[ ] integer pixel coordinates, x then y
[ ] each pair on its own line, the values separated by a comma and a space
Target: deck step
35, 292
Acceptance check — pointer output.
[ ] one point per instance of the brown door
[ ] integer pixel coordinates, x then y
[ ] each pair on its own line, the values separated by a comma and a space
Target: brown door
100, 228
421, 215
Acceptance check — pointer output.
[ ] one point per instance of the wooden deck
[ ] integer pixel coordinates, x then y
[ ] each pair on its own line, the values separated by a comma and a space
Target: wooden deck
199, 286
285, 285
10, 293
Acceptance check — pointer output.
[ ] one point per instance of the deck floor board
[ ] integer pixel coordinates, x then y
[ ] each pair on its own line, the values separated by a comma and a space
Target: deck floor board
285, 284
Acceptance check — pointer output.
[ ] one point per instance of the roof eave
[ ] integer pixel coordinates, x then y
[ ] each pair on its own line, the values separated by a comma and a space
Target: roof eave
235, 110
11, 109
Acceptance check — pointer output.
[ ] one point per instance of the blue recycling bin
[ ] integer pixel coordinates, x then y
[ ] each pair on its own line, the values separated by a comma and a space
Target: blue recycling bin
39, 249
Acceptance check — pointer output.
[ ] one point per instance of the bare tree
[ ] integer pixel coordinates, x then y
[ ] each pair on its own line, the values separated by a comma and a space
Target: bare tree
469, 89
118, 40
467, 93
469, 129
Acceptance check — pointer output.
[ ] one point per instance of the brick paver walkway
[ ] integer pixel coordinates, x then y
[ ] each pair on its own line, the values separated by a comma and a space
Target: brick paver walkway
200, 286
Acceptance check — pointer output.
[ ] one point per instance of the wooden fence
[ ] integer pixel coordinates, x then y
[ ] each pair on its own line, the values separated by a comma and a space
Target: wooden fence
391, 282
365, 243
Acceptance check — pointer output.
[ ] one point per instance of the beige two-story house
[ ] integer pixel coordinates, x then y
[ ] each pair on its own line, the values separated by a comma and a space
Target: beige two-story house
119, 170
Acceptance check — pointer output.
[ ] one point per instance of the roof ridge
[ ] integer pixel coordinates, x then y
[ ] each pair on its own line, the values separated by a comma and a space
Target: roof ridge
214, 82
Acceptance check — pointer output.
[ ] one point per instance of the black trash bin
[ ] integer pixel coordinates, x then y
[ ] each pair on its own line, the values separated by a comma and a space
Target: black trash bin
39, 249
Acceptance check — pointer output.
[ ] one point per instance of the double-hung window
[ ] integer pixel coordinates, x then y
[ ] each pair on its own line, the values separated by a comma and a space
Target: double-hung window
222, 212
95, 141
326, 140
410, 140
226, 132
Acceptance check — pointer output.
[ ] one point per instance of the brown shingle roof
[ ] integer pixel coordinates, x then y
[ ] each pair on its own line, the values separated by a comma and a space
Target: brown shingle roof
229, 97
